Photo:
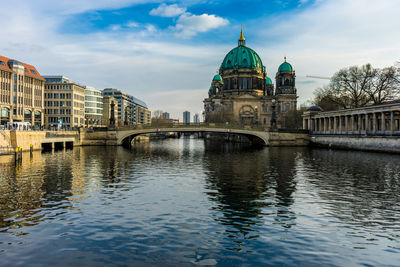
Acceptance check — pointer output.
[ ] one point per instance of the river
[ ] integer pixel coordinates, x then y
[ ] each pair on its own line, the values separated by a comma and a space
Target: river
187, 202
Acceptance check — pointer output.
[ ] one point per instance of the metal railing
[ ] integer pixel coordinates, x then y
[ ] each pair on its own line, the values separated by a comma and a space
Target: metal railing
194, 126
7, 150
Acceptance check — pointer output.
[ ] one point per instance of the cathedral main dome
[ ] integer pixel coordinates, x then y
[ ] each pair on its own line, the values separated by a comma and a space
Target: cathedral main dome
242, 57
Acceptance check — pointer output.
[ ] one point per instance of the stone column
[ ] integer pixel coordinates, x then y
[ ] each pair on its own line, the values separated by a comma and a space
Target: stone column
340, 124
391, 122
346, 123
366, 122
33, 118
374, 123
359, 123
304, 123
383, 122
334, 125
309, 124
352, 123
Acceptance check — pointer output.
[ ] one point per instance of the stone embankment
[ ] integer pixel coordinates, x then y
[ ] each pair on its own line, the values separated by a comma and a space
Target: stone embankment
366, 143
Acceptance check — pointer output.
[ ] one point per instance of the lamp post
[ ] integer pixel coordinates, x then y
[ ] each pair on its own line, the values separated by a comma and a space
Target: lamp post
273, 117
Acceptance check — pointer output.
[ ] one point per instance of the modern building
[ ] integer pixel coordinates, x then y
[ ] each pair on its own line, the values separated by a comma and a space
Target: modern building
64, 102
110, 111
21, 92
242, 93
196, 118
93, 107
131, 111
165, 115
186, 117
141, 115
125, 105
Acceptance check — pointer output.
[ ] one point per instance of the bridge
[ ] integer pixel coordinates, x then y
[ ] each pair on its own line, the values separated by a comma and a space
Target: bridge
257, 135
125, 136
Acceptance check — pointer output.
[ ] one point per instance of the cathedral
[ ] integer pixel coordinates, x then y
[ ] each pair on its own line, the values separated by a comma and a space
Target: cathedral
242, 93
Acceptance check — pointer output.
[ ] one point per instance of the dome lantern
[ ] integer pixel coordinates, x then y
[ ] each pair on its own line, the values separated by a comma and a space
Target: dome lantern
242, 40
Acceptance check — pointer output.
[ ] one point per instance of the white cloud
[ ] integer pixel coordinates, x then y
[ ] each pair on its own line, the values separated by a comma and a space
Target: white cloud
189, 25
331, 35
169, 76
169, 11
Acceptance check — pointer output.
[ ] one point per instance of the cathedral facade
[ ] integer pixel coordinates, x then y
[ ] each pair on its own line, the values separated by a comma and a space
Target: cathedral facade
242, 93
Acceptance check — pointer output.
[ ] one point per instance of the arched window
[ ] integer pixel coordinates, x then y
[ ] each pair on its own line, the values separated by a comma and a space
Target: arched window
287, 82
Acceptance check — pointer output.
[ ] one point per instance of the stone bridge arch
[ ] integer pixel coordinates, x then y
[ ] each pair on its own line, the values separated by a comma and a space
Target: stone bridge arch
124, 137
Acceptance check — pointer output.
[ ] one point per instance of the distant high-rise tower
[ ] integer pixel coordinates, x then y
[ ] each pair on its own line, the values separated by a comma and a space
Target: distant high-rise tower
186, 117
196, 118
165, 115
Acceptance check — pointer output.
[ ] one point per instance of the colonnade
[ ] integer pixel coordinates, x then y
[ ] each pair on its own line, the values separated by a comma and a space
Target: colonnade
378, 120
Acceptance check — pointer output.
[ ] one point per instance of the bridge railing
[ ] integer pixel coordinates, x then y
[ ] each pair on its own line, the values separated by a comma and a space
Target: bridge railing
194, 125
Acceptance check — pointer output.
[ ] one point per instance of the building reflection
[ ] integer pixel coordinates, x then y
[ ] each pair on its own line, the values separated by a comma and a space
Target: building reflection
250, 187
362, 188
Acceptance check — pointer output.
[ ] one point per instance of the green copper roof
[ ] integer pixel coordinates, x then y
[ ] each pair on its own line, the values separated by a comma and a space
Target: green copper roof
210, 88
241, 57
217, 77
285, 67
268, 80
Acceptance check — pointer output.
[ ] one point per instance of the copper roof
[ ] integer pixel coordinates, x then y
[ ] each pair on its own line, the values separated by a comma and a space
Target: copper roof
28, 73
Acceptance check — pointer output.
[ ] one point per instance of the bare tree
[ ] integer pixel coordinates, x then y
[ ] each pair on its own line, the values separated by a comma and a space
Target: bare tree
385, 85
157, 114
359, 86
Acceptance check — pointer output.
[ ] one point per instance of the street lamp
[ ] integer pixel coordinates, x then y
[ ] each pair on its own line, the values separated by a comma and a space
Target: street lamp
273, 117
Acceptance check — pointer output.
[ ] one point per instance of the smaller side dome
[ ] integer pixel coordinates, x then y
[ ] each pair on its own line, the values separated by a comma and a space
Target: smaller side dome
210, 88
268, 81
285, 66
217, 77
315, 108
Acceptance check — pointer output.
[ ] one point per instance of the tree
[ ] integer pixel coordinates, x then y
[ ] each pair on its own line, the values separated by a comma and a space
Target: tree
324, 99
157, 114
385, 85
359, 86
293, 119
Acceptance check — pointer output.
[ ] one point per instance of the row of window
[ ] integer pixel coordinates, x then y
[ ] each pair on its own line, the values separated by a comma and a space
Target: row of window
58, 87
57, 95
5, 98
58, 111
57, 103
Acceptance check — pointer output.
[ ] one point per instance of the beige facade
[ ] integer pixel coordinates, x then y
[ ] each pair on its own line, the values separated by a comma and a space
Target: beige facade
21, 93
143, 115
64, 102
381, 119
110, 111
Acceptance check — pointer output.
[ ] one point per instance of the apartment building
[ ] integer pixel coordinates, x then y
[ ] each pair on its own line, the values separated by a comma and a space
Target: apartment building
64, 102
21, 92
93, 107
141, 115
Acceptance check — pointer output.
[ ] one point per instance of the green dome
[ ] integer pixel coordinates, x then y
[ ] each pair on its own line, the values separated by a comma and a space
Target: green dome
242, 57
210, 88
217, 78
285, 67
268, 80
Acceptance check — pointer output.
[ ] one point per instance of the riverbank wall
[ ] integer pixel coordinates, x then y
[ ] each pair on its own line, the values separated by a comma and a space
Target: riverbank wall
366, 143
38, 139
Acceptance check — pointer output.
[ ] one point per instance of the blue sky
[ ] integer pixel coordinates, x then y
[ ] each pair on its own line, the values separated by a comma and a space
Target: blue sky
166, 52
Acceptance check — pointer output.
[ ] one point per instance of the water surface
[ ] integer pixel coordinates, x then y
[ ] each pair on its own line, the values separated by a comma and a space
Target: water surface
187, 203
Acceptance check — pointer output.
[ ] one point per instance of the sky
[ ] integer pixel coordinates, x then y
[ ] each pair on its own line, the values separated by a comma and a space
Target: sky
166, 52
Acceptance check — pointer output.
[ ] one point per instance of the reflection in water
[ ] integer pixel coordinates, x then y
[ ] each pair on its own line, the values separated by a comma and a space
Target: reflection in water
188, 202
248, 187
362, 190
